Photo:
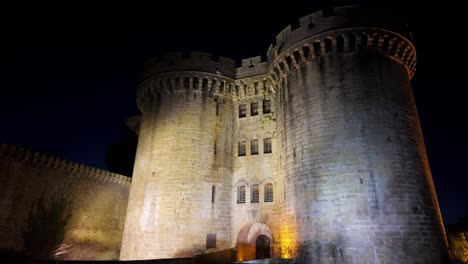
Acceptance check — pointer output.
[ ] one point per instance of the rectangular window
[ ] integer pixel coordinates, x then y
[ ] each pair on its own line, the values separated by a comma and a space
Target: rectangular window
266, 106
267, 145
217, 107
242, 110
214, 147
254, 109
241, 148
210, 240
254, 147
255, 194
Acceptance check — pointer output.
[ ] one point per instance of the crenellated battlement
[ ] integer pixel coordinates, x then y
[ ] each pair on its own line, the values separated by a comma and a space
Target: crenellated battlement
196, 61
251, 67
343, 42
208, 84
312, 24
43, 160
327, 20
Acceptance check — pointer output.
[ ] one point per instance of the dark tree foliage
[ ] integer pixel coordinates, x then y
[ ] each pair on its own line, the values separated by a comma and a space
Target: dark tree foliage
457, 236
44, 229
121, 155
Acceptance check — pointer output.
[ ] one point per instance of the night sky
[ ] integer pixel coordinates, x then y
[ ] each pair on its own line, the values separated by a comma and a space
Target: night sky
69, 73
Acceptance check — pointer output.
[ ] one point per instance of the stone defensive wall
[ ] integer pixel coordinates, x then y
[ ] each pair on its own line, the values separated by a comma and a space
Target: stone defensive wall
98, 201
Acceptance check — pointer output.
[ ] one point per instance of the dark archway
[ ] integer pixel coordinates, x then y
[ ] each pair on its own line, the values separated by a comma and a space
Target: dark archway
262, 247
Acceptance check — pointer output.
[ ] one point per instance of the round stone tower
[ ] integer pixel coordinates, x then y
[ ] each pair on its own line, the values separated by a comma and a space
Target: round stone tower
179, 202
357, 184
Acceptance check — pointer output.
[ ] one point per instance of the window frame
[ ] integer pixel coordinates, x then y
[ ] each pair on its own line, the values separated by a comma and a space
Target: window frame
241, 194
255, 193
242, 148
254, 147
242, 110
267, 145
254, 108
268, 193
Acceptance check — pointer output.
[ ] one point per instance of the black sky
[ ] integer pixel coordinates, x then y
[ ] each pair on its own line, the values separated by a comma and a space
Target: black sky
68, 73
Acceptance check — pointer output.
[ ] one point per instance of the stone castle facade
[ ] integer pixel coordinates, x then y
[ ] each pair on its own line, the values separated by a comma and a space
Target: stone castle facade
317, 148
319, 145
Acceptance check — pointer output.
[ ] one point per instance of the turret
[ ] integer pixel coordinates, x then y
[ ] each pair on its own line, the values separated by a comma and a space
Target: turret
179, 203
358, 187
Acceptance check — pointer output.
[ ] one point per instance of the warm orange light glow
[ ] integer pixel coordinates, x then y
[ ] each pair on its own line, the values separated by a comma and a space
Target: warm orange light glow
289, 239
245, 251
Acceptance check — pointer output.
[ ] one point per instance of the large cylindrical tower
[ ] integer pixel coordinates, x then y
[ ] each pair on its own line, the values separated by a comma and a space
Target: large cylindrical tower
358, 187
179, 202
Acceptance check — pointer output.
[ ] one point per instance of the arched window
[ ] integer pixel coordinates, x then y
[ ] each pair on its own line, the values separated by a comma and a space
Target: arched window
266, 106
241, 194
254, 147
254, 193
267, 145
269, 192
241, 151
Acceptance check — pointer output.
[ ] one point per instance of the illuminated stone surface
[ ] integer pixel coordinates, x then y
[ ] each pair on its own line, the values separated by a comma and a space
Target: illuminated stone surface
99, 201
348, 164
341, 145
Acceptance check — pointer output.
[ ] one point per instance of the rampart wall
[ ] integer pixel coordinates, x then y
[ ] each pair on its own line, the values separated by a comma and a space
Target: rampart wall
98, 200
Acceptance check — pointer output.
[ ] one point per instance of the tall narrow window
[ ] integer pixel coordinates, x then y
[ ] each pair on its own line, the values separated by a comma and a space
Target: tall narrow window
217, 107
241, 148
254, 194
214, 148
254, 108
266, 106
213, 193
254, 147
241, 194
269, 192
267, 145
242, 110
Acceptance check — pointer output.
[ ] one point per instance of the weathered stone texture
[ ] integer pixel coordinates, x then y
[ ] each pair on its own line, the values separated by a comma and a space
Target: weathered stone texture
184, 153
355, 174
99, 201
253, 169
350, 175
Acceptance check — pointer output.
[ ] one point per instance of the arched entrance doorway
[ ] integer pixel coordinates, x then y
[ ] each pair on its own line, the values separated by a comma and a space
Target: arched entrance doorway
255, 241
262, 247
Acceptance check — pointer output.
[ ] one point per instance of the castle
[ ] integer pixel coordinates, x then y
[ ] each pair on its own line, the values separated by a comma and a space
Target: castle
319, 148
